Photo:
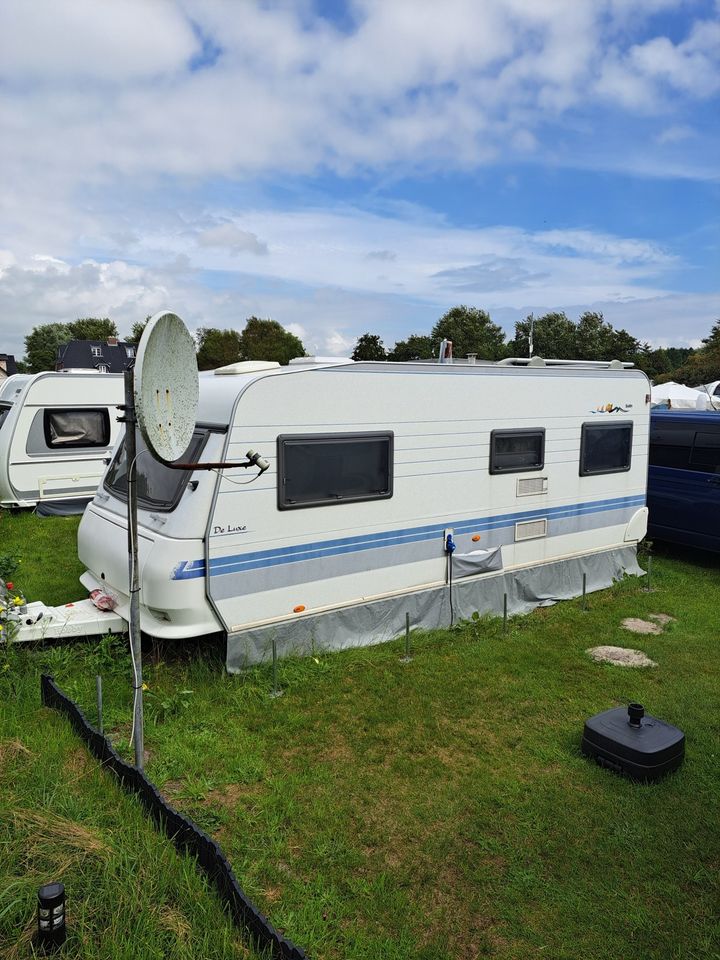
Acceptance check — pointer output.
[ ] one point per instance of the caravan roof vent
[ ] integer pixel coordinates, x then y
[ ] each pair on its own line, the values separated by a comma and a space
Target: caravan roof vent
323, 361
245, 366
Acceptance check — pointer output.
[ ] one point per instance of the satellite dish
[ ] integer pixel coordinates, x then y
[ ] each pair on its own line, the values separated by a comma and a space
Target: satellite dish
166, 386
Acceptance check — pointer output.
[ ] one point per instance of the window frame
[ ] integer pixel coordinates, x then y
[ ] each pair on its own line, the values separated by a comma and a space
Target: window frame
76, 444
521, 431
167, 506
604, 426
300, 438
96, 351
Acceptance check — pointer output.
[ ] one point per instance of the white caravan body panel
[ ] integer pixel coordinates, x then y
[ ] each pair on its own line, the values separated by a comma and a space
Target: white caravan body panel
229, 558
56, 435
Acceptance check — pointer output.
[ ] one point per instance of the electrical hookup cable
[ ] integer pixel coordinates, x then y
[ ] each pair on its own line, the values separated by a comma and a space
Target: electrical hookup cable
450, 550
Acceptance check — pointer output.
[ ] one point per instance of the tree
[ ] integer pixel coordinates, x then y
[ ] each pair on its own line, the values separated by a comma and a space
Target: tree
43, 341
137, 331
268, 340
553, 337
91, 328
217, 348
41, 346
471, 331
416, 347
704, 364
369, 347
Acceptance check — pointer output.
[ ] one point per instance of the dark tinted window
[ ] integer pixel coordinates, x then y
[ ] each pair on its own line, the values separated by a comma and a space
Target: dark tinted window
4, 410
513, 451
318, 469
605, 448
705, 453
159, 487
77, 428
670, 444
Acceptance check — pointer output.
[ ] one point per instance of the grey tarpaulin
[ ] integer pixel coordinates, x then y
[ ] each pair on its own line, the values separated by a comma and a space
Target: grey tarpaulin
479, 561
382, 620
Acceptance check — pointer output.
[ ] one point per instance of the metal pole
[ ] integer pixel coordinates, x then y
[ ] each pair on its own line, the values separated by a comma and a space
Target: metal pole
504, 613
275, 692
98, 692
649, 574
407, 658
133, 567
584, 599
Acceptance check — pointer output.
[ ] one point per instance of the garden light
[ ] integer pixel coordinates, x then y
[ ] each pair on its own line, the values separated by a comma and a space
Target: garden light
51, 916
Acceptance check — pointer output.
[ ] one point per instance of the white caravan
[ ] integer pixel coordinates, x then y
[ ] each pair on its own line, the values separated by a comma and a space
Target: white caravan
57, 431
536, 471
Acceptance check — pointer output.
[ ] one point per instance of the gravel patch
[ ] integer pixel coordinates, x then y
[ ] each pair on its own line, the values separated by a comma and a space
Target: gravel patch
641, 626
620, 656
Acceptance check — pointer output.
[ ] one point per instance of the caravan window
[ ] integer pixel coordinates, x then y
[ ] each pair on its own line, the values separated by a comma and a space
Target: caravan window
159, 487
605, 448
320, 469
4, 411
77, 428
515, 451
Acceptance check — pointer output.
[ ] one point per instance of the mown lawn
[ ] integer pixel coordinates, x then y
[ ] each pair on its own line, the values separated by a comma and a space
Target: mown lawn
438, 809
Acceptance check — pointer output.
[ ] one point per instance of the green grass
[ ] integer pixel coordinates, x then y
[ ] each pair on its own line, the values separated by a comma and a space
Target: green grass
438, 809
49, 566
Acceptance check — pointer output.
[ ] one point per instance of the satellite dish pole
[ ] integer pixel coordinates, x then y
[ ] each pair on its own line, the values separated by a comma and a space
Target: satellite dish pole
130, 421
162, 389
161, 396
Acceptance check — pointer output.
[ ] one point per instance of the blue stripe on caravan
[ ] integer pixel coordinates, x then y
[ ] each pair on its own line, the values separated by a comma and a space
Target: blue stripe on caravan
192, 569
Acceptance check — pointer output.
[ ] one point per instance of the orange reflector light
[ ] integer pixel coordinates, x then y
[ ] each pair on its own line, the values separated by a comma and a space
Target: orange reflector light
476, 538
299, 608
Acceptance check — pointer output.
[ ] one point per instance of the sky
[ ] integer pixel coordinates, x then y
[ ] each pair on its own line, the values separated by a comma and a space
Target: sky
360, 167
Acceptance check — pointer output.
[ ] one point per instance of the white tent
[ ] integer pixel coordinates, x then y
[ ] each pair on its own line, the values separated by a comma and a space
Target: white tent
712, 388
679, 397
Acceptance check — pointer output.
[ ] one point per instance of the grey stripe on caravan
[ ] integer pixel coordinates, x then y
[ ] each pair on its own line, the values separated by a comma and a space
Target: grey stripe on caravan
86, 491
339, 565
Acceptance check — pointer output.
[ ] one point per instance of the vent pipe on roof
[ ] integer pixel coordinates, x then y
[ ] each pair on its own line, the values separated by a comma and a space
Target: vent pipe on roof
445, 352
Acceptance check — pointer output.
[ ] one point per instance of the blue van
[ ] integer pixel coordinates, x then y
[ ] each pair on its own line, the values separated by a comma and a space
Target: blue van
684, 478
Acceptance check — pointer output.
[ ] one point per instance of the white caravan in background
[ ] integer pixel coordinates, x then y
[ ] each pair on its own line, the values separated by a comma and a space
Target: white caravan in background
57, 431
536, 470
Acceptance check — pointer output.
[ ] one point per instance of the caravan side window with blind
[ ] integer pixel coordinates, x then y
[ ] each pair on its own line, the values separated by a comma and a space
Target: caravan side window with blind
76, 428
605, 448
516, 451
320, 469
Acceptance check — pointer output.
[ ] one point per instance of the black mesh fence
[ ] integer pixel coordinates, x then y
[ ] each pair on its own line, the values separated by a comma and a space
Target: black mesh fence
186, 835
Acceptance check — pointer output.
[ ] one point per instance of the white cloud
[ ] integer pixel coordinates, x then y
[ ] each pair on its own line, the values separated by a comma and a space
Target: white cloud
415, 83
228, 236
319, 283
118, 119
676, 134
79, 40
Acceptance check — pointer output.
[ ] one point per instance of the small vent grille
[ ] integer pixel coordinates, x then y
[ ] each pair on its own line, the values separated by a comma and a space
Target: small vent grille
534, 485
531, 529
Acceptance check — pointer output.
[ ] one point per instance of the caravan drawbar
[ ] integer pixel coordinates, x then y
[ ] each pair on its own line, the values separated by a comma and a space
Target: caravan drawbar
534, 472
